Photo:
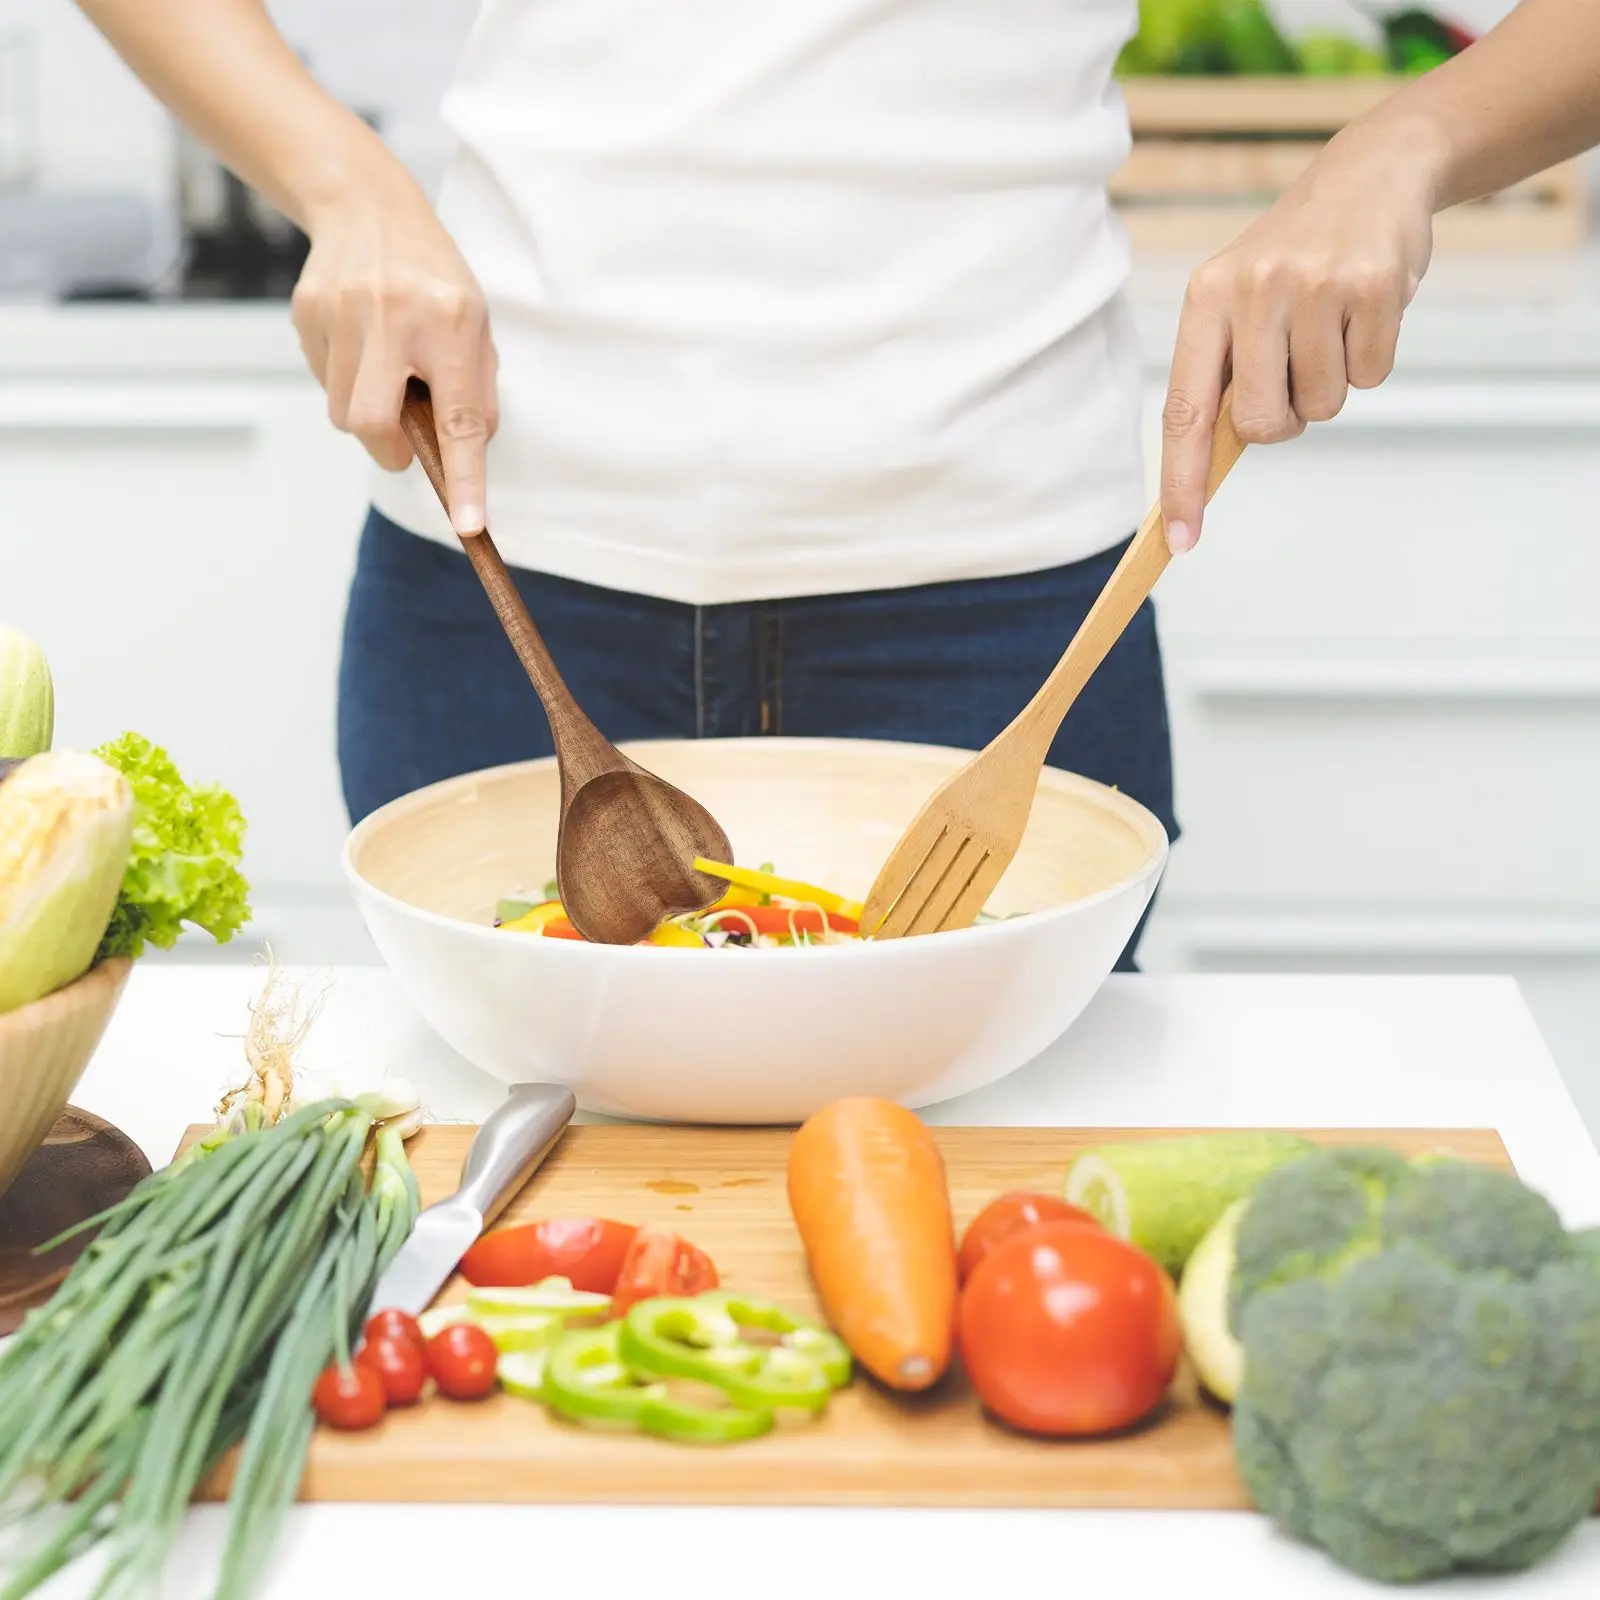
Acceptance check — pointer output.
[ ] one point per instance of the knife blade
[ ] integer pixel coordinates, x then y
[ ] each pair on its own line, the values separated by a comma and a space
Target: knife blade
505, 1153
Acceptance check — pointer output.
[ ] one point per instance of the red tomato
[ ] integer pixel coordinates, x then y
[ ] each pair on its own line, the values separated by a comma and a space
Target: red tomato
393, 1325
400, 1366
1068, 1330
661, 1264
782, 921
349, 1397
1010, 1214
463, 1361
588, 1250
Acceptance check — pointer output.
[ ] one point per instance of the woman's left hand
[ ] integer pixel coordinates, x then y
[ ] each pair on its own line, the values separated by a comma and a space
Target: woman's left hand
1303, 306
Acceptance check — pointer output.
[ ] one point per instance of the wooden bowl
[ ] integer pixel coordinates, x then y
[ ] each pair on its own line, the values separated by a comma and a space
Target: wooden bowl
44, 1048
753, 1036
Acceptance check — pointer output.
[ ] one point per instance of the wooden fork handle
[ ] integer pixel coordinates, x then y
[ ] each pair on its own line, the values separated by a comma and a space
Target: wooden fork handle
568, 725
1118, 603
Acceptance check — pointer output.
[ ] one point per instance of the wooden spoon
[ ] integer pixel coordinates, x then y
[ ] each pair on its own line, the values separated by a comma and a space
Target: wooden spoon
957, 849
628, 840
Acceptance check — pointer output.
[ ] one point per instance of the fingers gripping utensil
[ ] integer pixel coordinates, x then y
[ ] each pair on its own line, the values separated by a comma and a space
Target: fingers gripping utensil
517, 1136
947, 864
628, 840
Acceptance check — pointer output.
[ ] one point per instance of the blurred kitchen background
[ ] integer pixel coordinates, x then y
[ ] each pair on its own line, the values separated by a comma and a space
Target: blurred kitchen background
1385, 660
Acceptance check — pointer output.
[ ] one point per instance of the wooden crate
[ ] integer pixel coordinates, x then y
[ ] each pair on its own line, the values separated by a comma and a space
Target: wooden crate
1210, 154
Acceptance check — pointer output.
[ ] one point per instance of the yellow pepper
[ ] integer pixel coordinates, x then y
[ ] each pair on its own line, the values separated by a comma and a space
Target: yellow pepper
738, 897
672, 933
784, 888
536, 920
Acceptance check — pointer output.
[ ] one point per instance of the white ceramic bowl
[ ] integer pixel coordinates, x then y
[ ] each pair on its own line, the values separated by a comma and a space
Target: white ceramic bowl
742, 1036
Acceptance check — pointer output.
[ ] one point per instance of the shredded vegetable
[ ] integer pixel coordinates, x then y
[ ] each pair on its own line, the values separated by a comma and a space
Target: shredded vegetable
759, 911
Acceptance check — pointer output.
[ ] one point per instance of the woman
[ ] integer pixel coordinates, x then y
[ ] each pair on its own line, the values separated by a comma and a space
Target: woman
813, 397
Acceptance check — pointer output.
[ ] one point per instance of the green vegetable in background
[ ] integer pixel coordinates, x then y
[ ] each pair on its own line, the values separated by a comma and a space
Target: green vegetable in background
184, 865
1250, 39
1332, 55
27, 696
1168, 27
1417, 40
1163, 1194
1421, 1388
66, 823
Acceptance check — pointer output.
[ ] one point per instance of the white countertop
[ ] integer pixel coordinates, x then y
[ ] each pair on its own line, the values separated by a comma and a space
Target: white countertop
1169, 1052
1494, 313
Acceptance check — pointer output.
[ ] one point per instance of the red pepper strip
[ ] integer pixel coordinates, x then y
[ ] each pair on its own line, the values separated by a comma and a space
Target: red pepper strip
781, 922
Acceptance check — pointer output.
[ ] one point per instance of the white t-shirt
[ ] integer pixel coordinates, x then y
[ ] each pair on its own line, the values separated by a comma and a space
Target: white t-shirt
796, 296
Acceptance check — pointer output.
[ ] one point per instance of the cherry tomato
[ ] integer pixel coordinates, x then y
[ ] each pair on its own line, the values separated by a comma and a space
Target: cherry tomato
463, 1361
1010, 1214
661, 1263
349, 1397
393, 1325
1068, 1330
783, 921
400, 1366
587, 1250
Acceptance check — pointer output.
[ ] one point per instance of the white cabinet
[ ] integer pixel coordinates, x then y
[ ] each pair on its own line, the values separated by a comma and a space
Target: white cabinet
177, 528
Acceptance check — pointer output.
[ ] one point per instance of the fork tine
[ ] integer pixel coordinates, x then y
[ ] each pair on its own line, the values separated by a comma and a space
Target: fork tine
951, 889
944, 872
905, 861
964, 912
924, 877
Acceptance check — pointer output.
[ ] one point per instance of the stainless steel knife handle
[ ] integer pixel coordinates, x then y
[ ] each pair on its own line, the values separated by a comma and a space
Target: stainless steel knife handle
514, 1139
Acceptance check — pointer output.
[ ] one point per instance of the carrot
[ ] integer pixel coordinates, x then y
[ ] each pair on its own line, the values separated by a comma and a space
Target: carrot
867, 1190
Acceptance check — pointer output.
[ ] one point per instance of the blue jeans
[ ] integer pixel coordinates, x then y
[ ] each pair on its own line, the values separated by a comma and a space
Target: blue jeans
429, 687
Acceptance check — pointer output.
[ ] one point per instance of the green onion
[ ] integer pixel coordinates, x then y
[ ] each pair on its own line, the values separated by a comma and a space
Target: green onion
198, 1319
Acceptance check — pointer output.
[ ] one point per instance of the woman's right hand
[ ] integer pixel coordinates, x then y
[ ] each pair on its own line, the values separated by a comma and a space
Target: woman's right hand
1302, 307
386, 295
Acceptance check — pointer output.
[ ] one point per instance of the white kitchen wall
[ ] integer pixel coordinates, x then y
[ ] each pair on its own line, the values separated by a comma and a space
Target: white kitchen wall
393, 57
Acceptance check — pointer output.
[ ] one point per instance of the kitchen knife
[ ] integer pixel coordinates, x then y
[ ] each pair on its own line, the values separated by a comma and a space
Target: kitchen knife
507, 1149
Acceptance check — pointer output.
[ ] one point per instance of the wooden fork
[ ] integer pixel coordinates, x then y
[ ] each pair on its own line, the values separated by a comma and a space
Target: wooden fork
947, 864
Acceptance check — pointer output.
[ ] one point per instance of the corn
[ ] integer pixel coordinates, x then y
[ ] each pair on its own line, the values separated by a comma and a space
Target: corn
66, 826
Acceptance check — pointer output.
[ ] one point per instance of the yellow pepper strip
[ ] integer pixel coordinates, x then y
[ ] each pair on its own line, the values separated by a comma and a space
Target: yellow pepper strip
784, 888
671, 933
536, 920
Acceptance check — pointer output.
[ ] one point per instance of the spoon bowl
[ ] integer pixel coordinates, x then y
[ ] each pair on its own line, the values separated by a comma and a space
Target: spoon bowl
625, 815
628, 841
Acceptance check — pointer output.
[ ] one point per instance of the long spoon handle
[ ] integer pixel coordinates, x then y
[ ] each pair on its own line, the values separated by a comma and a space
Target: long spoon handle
583, 749
1125, 591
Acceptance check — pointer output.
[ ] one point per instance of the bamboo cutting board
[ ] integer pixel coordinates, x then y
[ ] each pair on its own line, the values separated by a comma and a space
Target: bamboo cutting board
724, 1189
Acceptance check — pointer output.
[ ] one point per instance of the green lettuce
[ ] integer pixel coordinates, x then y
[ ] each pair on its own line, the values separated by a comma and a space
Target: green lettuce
184, 864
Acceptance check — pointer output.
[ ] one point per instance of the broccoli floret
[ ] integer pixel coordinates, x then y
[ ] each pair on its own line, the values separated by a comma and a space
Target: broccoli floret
1327, 1216
1421, 1385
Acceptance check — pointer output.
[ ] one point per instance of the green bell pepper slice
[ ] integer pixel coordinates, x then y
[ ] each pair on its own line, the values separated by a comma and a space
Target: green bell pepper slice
700, 1339
553, 1295
587, 1379
824, 1349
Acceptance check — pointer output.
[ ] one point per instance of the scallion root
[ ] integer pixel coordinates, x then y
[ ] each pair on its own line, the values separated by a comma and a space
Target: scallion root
280, 1018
